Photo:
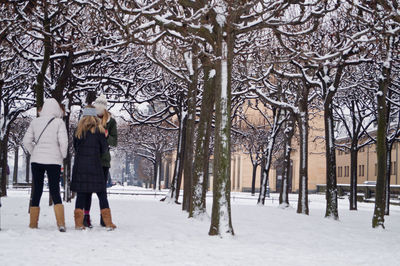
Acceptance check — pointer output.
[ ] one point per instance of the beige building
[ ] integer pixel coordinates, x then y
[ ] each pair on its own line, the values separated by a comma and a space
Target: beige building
241, 167
366, 165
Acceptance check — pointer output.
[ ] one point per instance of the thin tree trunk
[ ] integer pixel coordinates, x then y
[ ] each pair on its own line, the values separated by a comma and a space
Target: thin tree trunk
173, 193
16, 161
253, 179
208, 149
3, 165
192, 62
268, 157
39, 85
331, 181
160, 169
388, 173
288, 135
27, 167
68, 195
201, 156
378, 219
302, 206
155, 174
353, 158
181, 164
353, 176
221, 220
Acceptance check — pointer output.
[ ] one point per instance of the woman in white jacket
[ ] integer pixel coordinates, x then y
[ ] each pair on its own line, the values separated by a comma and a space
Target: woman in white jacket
47, 141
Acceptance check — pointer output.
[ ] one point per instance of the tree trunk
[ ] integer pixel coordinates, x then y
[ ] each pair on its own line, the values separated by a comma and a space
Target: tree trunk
173, 193
68, 195
201, 160
157, 171
16, 160
155, 174
3, 165
268, 157
208, 149
302, 206
192, 62
379, 211
388, 173
331, 181
265, 171
221, 220
39, 85
253, 179
27, 167
353, 176
288, 135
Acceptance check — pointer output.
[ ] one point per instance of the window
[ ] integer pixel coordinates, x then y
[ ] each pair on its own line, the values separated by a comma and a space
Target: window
339, 171
393, 168
362, 149
361, 170
346, 171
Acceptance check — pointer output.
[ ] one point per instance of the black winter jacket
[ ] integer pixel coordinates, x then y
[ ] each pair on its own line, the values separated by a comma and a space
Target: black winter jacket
87, 173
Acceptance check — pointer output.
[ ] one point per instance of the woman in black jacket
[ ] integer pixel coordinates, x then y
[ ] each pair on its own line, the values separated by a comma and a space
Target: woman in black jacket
87, 175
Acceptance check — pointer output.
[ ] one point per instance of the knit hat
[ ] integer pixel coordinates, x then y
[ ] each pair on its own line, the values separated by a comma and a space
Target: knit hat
88, 111
101, 102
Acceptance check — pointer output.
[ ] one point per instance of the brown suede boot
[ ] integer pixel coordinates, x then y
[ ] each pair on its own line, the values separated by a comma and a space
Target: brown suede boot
79, 214
34, 217
106, 214
59, 212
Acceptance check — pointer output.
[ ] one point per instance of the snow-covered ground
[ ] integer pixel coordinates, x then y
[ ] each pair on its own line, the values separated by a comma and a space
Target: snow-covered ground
151, 232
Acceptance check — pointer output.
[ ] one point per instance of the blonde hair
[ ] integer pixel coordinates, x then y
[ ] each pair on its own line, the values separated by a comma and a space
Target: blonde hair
88, 123
104, 119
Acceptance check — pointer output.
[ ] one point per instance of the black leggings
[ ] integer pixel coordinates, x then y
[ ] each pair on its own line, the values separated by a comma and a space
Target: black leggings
82, 198
88, 202
53, 175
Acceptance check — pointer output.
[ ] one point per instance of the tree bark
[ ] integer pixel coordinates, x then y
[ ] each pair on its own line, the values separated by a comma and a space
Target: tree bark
39, 85
16, 160
353, 176
27, 167
253, 179
268, 157
378, 219
330, 151
388, 174
173, 193
302, 206
190, 130
201, 156
288, 135
221, 220
3, 165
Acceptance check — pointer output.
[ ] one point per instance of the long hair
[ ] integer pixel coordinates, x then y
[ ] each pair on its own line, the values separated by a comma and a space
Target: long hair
104, 119
88, 123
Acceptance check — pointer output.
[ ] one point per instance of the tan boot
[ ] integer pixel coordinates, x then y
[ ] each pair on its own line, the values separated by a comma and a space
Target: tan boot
34, 217
106, 214
59, 212
78, 215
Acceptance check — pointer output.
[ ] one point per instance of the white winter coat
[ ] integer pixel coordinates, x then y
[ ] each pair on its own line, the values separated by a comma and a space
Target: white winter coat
53, 145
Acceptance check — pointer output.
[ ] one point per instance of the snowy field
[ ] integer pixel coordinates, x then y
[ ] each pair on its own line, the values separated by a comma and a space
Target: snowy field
155, 233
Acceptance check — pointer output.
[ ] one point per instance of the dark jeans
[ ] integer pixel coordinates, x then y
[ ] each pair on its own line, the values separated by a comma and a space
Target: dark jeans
88, 203
82, 198
53, 174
